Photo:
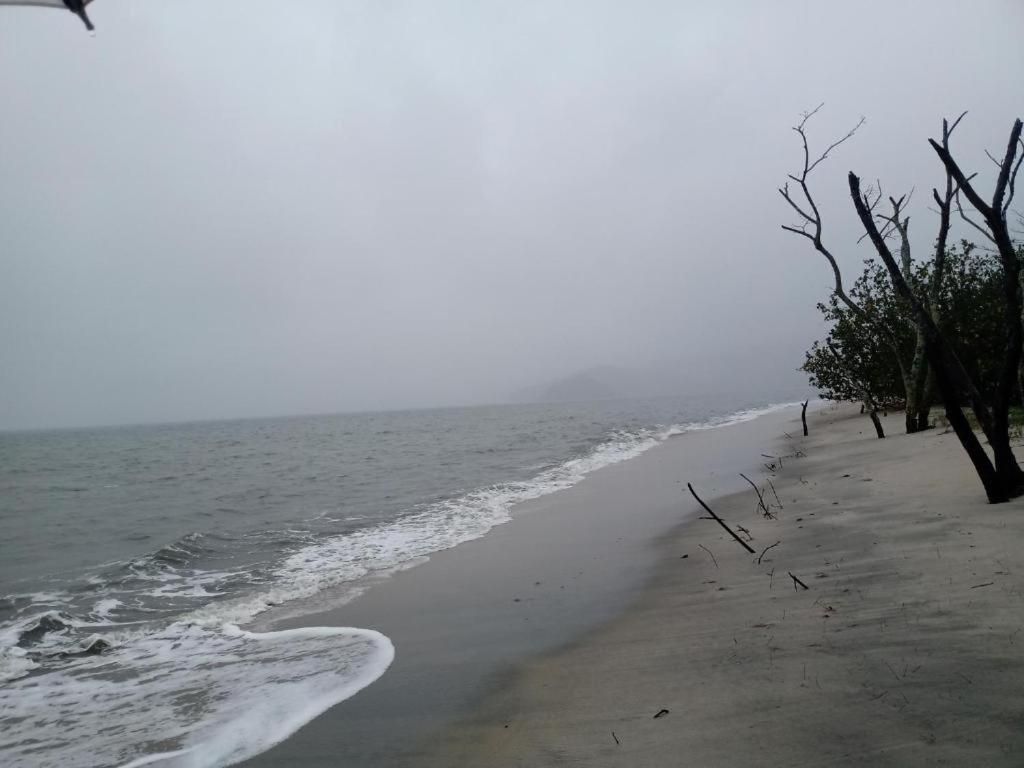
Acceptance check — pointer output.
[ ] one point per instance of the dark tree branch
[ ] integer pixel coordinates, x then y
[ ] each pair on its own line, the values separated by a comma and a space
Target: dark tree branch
1008, 470
1006, 170
940, 356
811, 228
720, 521
760, 498
1013, 180
763, 551
960, 209
945, 203
992, 157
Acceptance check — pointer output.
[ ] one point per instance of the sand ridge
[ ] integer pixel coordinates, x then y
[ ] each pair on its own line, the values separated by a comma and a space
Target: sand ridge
907, 649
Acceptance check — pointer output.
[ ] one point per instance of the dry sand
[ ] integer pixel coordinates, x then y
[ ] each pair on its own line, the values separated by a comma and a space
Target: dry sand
906, 650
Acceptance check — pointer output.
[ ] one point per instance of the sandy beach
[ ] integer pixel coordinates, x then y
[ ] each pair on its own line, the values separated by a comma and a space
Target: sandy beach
463, 621
905, 650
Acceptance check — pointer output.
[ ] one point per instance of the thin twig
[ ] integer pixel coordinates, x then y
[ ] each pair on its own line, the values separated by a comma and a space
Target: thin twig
765, 550
710, 553
760, 498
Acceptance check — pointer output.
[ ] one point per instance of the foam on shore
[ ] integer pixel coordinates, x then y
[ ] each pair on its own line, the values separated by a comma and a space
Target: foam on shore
187, 697
184, 686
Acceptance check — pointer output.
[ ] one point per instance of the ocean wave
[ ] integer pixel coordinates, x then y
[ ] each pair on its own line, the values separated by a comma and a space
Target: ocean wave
341, 563
177, 580
73, 659
219, 696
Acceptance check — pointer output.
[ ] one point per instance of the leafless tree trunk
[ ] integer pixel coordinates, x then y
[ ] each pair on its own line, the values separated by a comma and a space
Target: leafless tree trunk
944, 201
873, 413
940, 355
998, 232
915, 375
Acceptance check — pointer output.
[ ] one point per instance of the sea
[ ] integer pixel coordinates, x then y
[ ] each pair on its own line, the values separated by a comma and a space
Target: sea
139, 565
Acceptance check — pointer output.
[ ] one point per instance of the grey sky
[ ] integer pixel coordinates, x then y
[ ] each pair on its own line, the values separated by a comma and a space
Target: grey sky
240, 208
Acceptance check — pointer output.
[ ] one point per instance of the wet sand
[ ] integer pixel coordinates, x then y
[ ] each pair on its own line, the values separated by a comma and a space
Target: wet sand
906, 650
465, 622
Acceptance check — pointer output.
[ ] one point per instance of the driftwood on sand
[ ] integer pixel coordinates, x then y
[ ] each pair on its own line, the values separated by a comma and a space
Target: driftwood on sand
721, 522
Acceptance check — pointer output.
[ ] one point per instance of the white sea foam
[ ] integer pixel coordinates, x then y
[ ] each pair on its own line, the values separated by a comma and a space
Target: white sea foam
14, 663
345, 561
105, 607
186, 697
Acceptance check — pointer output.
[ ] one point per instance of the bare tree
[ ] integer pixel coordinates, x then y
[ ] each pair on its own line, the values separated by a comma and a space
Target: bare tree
913, 371
994, 215
810, 225
1004, 480
944, 201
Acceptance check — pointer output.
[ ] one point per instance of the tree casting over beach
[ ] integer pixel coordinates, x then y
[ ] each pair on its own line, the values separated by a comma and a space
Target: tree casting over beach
948, 330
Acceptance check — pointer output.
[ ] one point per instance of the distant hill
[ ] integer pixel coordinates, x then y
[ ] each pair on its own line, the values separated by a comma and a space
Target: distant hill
729, 372
594, 384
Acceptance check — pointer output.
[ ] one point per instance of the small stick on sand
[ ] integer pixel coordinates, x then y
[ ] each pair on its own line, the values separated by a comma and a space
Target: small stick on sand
720, 521
796, 581
765, 550
760, 498
710, 553
774, 493
616, 738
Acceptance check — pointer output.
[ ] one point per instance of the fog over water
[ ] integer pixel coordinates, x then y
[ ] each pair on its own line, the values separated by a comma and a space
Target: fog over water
221, 209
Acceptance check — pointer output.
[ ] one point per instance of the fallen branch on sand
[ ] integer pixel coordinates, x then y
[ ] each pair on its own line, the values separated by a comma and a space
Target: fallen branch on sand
720, 521
796, 581
765, 550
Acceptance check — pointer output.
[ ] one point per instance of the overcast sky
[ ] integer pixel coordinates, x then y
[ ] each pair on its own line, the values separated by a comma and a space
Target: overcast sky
218, 209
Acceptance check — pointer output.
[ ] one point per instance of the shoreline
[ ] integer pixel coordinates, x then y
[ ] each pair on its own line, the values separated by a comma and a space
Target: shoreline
907, 649
565, 564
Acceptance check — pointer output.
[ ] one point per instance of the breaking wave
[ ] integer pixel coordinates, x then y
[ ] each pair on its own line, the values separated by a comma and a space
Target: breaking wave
156, 639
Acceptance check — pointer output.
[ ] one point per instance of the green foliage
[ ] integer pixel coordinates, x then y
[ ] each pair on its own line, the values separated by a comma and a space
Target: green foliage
971, 313
857, 362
